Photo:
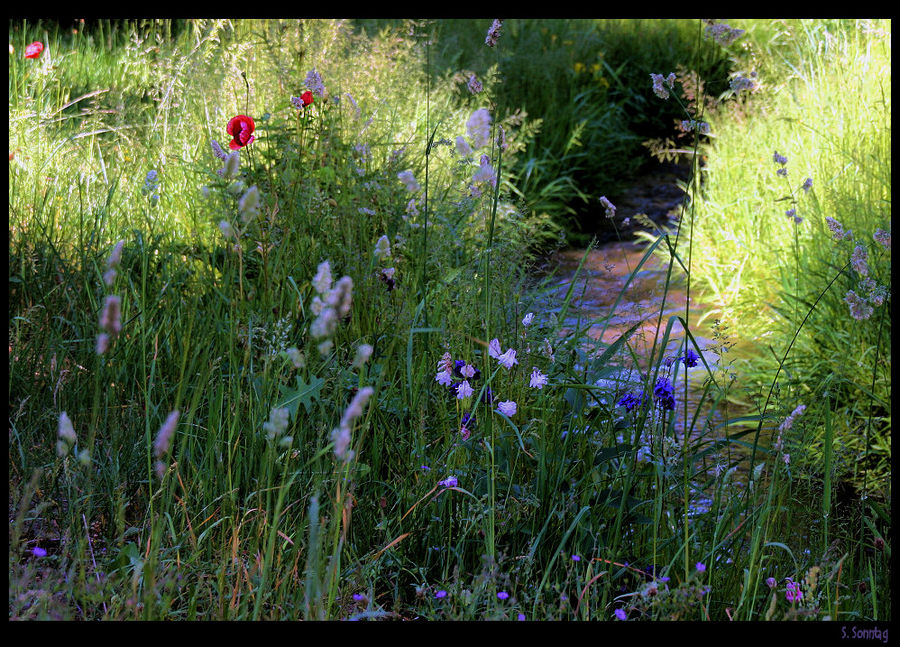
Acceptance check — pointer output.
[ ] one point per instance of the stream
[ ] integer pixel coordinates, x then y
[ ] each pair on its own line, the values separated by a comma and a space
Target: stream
594, 309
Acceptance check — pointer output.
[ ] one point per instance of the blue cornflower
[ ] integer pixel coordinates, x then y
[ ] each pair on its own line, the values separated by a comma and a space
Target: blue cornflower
690, 358
630, 401
664, 393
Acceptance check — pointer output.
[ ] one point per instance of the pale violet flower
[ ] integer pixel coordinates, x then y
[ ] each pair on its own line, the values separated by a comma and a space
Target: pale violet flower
508, 358
538, 379
507, 408
450, 481
527, 319
493, 34
464, 390
314, 83
444, 377
467, 370
494, 348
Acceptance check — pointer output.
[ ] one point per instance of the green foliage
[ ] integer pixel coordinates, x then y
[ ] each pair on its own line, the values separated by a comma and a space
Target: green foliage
304, 477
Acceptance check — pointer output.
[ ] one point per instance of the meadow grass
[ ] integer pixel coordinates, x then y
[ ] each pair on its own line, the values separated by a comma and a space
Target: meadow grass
311, 379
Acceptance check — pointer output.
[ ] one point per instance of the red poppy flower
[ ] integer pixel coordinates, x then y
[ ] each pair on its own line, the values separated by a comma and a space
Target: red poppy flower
241, 129
307, 98
34, 50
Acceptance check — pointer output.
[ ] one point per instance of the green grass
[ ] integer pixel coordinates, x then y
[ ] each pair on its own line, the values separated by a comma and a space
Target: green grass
244, 514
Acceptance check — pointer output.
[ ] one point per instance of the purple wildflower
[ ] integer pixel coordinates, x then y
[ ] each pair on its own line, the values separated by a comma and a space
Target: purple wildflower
859, 309
882, 237
538, 379
609, 207
621, 615
630, 401
793, 592
493, 34
690, 358
450, 481
664, 393
507, 408
807, 185
508, 358
464, 390
859, 260
701, 567
37, 551
503, 595
440, 594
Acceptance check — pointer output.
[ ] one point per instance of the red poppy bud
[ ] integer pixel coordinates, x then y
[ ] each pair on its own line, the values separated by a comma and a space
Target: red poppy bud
307, 98
34, 50
241, 129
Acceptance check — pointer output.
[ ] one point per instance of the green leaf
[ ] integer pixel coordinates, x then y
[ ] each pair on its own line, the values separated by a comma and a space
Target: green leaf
304, 393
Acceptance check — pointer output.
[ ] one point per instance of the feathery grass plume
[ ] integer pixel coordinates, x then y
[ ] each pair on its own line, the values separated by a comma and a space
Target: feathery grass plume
111, 316
217, 149
383, 249
226, 229
296, 357
163, 441
409, 181
363, 353
462, 147
279, 418
322, 280
112, 263
341, 436
249, 204
66, 435
789, 421
232, 165
478, 128
356, 406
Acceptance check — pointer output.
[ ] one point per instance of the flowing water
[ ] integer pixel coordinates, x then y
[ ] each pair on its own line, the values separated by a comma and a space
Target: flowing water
610, 295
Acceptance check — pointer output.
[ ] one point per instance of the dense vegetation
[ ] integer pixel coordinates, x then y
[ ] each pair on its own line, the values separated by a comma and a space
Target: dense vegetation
277, 348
